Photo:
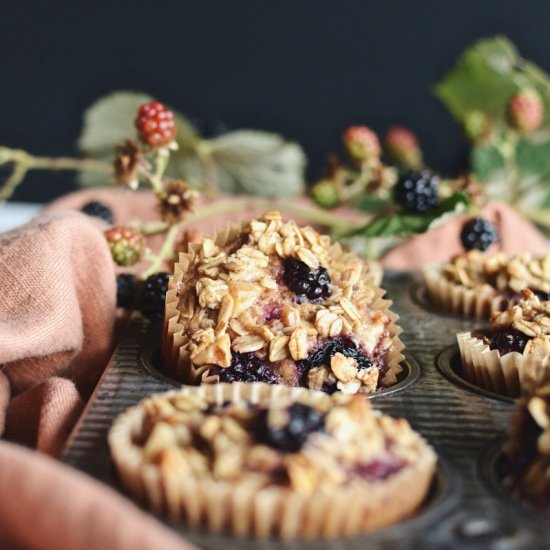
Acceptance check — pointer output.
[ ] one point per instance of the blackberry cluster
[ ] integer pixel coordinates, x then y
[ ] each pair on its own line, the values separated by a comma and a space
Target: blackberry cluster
98, 210
247, 367
152, 296
509, 341
478, 233
155, 124
308, 285
322, 355
302, 421
416, 191
127, 289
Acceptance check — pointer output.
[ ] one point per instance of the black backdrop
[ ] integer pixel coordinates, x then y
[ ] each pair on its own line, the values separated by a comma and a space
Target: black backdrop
304, 68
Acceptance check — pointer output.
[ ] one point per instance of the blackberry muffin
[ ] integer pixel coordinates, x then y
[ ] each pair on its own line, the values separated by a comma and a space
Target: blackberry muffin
270, 460
527, 452
513, 354
476, 284
269, 301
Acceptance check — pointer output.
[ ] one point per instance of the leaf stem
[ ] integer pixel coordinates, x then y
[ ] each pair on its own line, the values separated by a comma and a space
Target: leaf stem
165, 251
23, 162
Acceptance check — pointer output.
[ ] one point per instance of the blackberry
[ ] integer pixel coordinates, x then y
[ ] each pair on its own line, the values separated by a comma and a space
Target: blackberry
247, 367
345, 346
308, 285
478, 233
289, 438
126, 290
152, 296
509, 341
416, 191
98, 210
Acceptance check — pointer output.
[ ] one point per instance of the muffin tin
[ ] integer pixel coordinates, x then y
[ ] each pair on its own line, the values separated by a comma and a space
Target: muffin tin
467, 506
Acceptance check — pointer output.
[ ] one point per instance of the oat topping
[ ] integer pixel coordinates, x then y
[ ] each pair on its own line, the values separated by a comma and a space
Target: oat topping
306, 444
529, 317
242, 297
476, 269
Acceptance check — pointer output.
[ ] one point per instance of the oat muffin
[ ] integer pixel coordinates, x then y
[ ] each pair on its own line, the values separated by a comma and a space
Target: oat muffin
270, 460
513, 354
269, 301
527, 453
476, 284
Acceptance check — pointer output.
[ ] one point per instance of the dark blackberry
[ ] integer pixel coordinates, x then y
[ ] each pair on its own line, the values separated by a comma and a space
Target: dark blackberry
478, 233
345, 346
126, 290
302, 421
152, 296
416, 191
308, 285
247, 367
98, 210
507, 341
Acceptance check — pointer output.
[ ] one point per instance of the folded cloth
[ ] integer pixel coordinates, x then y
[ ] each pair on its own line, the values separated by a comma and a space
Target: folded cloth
57, 316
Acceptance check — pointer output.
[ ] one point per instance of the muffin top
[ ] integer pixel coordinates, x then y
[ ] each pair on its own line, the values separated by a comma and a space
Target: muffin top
476, 269
524, 327
278, 303
306, 443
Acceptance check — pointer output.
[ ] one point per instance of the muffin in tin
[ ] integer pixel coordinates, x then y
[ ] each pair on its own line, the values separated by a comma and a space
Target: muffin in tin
477, 284
269, 301
527, 452
270, 460
513, 355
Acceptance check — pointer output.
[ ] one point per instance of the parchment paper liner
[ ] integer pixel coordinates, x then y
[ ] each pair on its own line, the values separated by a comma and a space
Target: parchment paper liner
511, 374
178, 365
243, 507
477, 302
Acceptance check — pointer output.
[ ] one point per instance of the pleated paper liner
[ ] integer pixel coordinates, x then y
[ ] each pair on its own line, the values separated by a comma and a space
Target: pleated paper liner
511, 374
245, 508
176, 360
477, 302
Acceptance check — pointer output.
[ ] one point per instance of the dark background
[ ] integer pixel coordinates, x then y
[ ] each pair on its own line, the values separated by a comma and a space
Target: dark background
303, 68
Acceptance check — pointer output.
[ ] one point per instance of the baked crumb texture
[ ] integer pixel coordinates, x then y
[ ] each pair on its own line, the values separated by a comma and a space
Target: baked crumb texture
229, 296
270, 460
476, 284
527, 453
510, 373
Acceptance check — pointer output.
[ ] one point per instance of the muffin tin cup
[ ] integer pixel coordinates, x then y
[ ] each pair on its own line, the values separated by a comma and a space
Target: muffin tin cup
410, 371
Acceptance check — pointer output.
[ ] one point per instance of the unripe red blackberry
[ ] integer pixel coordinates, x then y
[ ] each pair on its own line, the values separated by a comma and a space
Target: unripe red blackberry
155, 124
127, 245
403, 147
525, 111
361, 143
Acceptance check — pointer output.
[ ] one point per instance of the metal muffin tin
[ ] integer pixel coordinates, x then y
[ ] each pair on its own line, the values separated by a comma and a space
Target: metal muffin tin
467, 506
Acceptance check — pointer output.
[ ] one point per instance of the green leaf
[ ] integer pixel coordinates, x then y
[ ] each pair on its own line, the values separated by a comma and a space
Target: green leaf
370, 203
485, 160
258, 163
485, 77
408, 224
533, 157
109, 121
480, 81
